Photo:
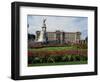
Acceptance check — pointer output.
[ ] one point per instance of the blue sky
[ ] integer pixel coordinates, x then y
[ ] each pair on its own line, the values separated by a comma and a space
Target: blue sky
63, 23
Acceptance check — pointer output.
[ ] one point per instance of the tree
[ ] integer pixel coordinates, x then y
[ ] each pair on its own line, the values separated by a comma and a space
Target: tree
31, 37
86, 39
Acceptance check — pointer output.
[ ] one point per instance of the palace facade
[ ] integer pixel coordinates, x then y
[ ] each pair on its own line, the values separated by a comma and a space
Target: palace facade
62, 37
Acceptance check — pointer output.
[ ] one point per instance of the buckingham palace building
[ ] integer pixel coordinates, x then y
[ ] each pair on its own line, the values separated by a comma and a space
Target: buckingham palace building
62, 37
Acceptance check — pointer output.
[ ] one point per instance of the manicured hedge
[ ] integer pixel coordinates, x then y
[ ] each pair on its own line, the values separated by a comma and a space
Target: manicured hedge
55, 58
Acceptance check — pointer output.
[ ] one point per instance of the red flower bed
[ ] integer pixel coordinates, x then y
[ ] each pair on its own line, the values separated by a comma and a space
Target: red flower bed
63, 52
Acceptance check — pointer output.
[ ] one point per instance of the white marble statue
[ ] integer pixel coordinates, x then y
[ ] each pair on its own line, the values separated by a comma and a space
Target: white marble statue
42, 36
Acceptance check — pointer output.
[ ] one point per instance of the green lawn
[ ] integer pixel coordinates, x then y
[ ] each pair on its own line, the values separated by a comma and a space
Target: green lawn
59, 63
54, 48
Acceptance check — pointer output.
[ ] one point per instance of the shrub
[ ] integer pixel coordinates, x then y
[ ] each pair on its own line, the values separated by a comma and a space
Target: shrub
30, 59
58, 58
51, 59
55, 58
66, 58
77, 57
83, 58
36, 60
